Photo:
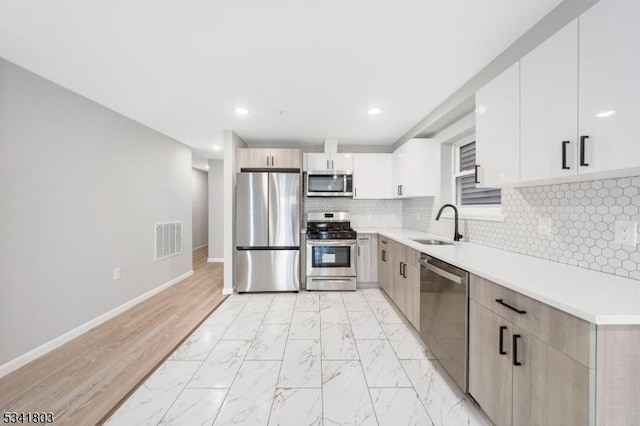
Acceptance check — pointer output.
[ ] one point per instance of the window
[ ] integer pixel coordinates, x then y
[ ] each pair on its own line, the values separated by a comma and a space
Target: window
467, 193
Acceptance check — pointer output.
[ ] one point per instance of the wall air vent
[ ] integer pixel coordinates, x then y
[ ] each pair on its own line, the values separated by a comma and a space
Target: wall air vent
168, 239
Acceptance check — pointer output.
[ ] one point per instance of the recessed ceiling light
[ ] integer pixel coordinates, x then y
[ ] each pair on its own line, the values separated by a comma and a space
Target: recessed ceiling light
605, 114
374, 111
242, 111
217, 147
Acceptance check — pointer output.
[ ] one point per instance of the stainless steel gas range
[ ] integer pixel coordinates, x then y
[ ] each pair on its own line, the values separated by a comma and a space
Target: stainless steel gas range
330, 251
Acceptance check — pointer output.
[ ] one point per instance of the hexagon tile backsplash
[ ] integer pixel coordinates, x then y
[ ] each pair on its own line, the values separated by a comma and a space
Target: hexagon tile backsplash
583, 216
364, 213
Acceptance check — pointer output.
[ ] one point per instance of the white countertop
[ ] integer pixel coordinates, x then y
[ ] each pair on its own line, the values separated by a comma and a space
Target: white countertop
593, 296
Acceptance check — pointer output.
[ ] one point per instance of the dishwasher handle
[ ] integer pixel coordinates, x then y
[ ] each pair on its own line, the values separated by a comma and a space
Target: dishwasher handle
448, 275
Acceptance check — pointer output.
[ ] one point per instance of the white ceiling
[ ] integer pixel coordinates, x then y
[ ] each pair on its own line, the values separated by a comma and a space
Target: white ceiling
181, 67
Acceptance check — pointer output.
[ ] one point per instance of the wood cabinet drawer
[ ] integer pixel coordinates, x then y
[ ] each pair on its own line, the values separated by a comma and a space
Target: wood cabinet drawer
411, 256
486, 293
564, 332
406, 254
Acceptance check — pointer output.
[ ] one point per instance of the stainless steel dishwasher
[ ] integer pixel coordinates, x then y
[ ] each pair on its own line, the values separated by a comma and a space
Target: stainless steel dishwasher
444, 308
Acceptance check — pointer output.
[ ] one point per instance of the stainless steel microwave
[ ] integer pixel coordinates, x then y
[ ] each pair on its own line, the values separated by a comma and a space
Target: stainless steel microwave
329, 184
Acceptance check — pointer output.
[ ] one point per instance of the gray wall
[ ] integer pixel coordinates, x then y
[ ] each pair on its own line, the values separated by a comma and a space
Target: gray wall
216, 210
199, 207
80, 188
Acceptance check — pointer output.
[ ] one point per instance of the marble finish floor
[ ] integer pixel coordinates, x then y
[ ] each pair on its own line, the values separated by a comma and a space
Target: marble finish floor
328, 358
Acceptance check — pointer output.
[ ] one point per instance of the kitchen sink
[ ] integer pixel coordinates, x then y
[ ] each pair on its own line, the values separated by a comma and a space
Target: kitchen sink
433, 242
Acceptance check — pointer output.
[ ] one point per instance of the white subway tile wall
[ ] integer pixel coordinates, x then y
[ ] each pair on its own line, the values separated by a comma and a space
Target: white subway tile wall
364, 213
583, 216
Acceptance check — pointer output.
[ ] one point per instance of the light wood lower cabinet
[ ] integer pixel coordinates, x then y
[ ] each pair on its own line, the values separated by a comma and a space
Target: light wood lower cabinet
399, 276
383, 263
490, 369
549, 387
411, 295
367, 254
519, 379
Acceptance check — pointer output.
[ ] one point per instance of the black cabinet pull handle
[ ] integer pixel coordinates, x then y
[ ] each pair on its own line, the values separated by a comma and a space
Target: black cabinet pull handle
384, 255
521, 312
515, 349
501, 350
564, 155
583, 140
476, 167
401, 263
404, 270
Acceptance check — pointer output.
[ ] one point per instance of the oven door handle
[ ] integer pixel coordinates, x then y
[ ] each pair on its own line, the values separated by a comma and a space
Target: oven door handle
331, 243
456, 279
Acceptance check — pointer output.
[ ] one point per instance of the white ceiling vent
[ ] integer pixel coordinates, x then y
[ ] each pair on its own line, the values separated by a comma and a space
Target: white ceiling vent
168, 239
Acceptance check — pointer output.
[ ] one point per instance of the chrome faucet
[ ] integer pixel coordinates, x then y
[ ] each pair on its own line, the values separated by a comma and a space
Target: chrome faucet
456, 235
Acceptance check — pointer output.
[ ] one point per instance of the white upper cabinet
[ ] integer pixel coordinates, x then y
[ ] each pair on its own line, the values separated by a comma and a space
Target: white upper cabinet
372, 176
578, 106
342, 162
328, 162
549, 107
416, 169
610, 86
498, 130
316, 162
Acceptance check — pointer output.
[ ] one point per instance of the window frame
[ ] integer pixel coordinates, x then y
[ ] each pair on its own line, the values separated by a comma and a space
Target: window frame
486, 212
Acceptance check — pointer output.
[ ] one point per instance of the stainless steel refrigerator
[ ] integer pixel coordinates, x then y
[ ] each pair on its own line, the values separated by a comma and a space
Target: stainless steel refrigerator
268, 232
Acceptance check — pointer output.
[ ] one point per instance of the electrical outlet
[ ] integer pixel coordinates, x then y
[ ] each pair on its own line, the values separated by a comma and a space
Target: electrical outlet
626, 233
544, 225
116, 274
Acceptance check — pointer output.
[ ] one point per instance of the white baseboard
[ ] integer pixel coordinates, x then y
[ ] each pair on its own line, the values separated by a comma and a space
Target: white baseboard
227, 291
215, 260
26, 358
197, 248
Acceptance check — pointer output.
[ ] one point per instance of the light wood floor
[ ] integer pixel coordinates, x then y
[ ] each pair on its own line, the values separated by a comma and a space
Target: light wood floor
83, 381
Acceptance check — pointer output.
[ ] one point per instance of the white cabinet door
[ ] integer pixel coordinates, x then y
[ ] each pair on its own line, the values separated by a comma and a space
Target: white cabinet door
373, 176
322, 162
316, 162
498, 130
423, 172
341, 162
610, 85
417, 166
399, 170
549, 107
